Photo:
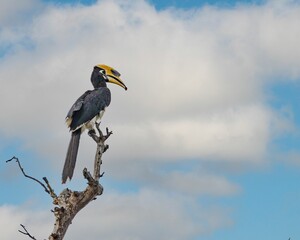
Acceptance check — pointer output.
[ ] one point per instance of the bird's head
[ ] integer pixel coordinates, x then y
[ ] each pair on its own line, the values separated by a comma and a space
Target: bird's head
103, 73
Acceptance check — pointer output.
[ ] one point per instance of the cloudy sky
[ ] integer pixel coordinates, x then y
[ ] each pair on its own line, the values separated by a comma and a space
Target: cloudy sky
206, 139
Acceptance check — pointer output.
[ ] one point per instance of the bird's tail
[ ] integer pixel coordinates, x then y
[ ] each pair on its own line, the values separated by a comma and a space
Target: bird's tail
71, 156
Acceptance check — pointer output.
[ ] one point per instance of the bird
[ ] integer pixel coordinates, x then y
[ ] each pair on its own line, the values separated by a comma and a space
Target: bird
88, 109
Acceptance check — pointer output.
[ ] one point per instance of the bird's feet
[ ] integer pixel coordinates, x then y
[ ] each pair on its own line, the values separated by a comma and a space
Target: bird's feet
91, 132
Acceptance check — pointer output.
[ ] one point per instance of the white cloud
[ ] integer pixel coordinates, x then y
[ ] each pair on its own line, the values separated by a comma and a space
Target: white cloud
224, 135
37, 223
201, 74
196, 83
143, 215
192, 183
13, 11
195, 79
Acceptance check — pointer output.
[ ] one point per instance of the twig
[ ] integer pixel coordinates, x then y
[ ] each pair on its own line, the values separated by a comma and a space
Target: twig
32, 178
26, 232
108, 133
52, 193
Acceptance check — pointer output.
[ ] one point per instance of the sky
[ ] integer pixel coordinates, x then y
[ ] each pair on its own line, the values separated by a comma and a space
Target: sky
206, 139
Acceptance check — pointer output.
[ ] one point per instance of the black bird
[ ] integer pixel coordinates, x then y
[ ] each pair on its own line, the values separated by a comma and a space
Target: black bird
88, 108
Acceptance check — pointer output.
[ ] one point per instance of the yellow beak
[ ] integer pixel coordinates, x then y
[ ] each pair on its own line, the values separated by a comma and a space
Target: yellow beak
112, 75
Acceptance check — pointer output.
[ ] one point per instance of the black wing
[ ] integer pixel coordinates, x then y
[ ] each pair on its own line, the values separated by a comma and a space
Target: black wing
88, 106
77, 105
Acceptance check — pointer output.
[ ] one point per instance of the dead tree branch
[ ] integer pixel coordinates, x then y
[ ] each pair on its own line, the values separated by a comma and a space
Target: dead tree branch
68, 203
26, 232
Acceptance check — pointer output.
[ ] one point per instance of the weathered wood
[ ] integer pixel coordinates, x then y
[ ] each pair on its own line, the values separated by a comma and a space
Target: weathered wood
69, 202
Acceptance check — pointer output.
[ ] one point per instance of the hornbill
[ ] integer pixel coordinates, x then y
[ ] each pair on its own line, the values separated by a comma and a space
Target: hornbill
88, 108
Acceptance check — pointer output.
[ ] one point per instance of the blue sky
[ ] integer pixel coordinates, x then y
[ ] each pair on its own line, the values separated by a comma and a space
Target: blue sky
205, 140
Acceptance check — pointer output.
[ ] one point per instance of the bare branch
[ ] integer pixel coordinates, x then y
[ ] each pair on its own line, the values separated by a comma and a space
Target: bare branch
69, 203
32, 178
52, 193
26, 232
108, 133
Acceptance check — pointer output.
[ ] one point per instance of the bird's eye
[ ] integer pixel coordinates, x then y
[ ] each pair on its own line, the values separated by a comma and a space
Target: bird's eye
102, 71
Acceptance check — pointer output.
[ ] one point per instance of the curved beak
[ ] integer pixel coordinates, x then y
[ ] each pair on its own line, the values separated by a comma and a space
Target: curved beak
116, 80
112, 75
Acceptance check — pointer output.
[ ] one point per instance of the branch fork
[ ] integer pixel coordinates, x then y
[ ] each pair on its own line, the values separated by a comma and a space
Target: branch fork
69, 203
